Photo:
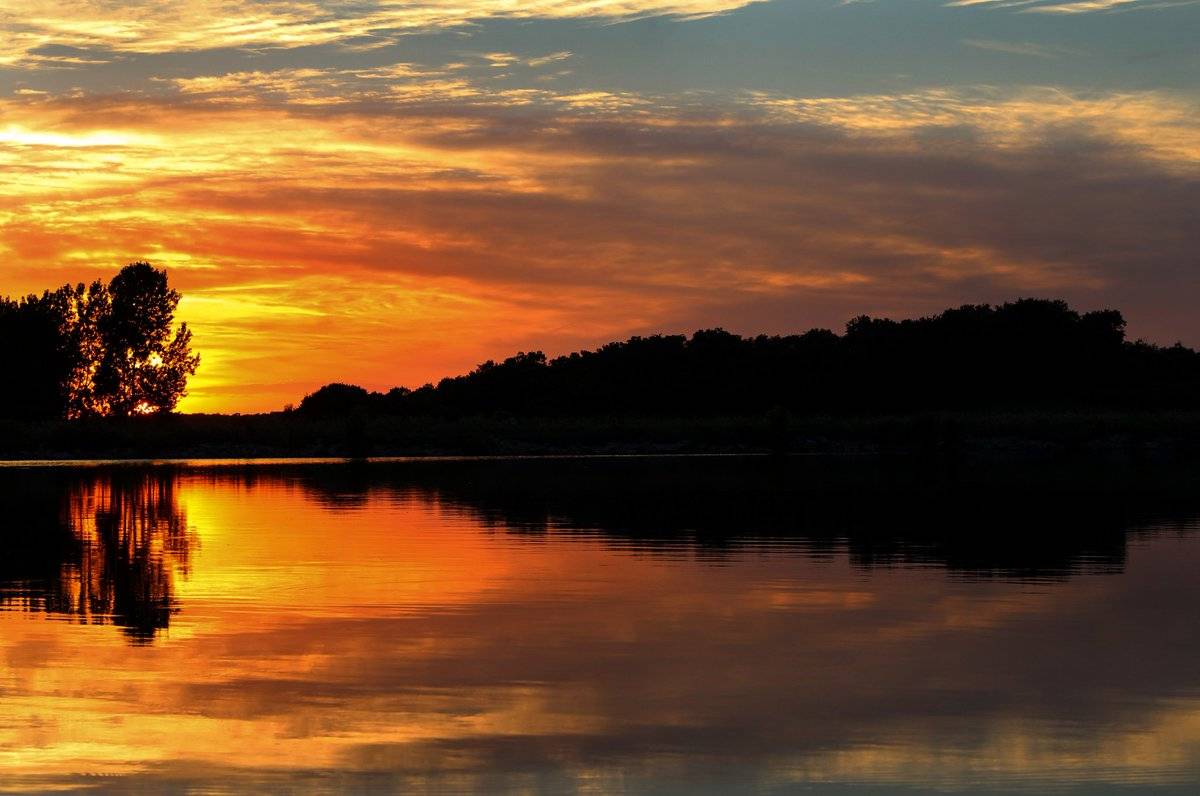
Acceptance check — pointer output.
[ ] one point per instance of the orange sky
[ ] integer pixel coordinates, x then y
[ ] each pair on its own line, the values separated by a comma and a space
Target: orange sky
363, 210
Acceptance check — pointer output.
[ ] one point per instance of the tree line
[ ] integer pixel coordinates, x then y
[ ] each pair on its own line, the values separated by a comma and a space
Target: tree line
1025, 354
95, 350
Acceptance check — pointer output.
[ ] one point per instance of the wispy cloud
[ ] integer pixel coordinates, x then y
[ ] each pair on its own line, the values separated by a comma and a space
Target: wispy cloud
150, 26
1071, 6
551, 58
1024, 48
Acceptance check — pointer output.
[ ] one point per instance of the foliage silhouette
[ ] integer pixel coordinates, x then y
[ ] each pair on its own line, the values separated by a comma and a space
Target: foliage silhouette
95, 350
337, 399
1026, 354
36, 364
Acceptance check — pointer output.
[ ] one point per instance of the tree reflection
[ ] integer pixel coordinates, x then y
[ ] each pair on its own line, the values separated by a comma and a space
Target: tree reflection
1002, 520
97, 548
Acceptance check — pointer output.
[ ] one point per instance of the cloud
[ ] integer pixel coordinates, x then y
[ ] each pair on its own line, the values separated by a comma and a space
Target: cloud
505, 60
38, 34
1057, 7
550, 58
149, 26
434, 224
294, 84
1021, 48
500, 60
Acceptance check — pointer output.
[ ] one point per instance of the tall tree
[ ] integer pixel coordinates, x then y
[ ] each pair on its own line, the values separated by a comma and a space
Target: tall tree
81, 310
144, 361
34, 362
98, 349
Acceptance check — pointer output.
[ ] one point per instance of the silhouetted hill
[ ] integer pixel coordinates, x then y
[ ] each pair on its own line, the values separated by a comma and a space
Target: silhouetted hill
1030, 354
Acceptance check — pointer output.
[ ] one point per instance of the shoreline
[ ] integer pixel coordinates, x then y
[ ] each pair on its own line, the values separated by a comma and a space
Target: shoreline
290, 437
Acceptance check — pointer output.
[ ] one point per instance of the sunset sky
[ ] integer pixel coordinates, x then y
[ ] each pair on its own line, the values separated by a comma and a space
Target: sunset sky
387, 192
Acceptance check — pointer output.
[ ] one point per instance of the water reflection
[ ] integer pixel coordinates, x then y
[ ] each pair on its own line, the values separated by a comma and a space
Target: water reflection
1008, 521
96, 548
613, 626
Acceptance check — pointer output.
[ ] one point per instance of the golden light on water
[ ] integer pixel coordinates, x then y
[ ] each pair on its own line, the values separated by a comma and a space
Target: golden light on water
428, 640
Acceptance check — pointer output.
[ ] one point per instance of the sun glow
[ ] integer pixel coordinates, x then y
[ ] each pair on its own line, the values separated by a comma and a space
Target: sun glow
14, 135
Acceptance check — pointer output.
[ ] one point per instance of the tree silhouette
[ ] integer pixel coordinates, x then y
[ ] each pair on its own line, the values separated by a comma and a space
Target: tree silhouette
35, 363
81, 311
336, 399
94, 350
145, 365
1026, 354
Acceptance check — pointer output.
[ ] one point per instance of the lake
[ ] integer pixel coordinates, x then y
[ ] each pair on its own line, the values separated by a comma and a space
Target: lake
665, 625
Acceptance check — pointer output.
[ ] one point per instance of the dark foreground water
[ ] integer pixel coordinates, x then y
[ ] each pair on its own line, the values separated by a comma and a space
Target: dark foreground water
666, 625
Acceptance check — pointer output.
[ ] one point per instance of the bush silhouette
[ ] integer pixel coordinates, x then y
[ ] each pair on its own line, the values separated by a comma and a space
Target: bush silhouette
336, 400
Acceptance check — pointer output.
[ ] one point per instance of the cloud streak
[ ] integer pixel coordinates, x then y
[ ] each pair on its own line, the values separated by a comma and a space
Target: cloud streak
1031, 49
1071, 7
148, 26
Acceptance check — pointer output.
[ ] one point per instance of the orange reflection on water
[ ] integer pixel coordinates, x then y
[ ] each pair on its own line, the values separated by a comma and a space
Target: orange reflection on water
293, 632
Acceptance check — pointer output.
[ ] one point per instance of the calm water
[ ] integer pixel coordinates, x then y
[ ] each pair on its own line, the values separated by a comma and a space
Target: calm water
670, 625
